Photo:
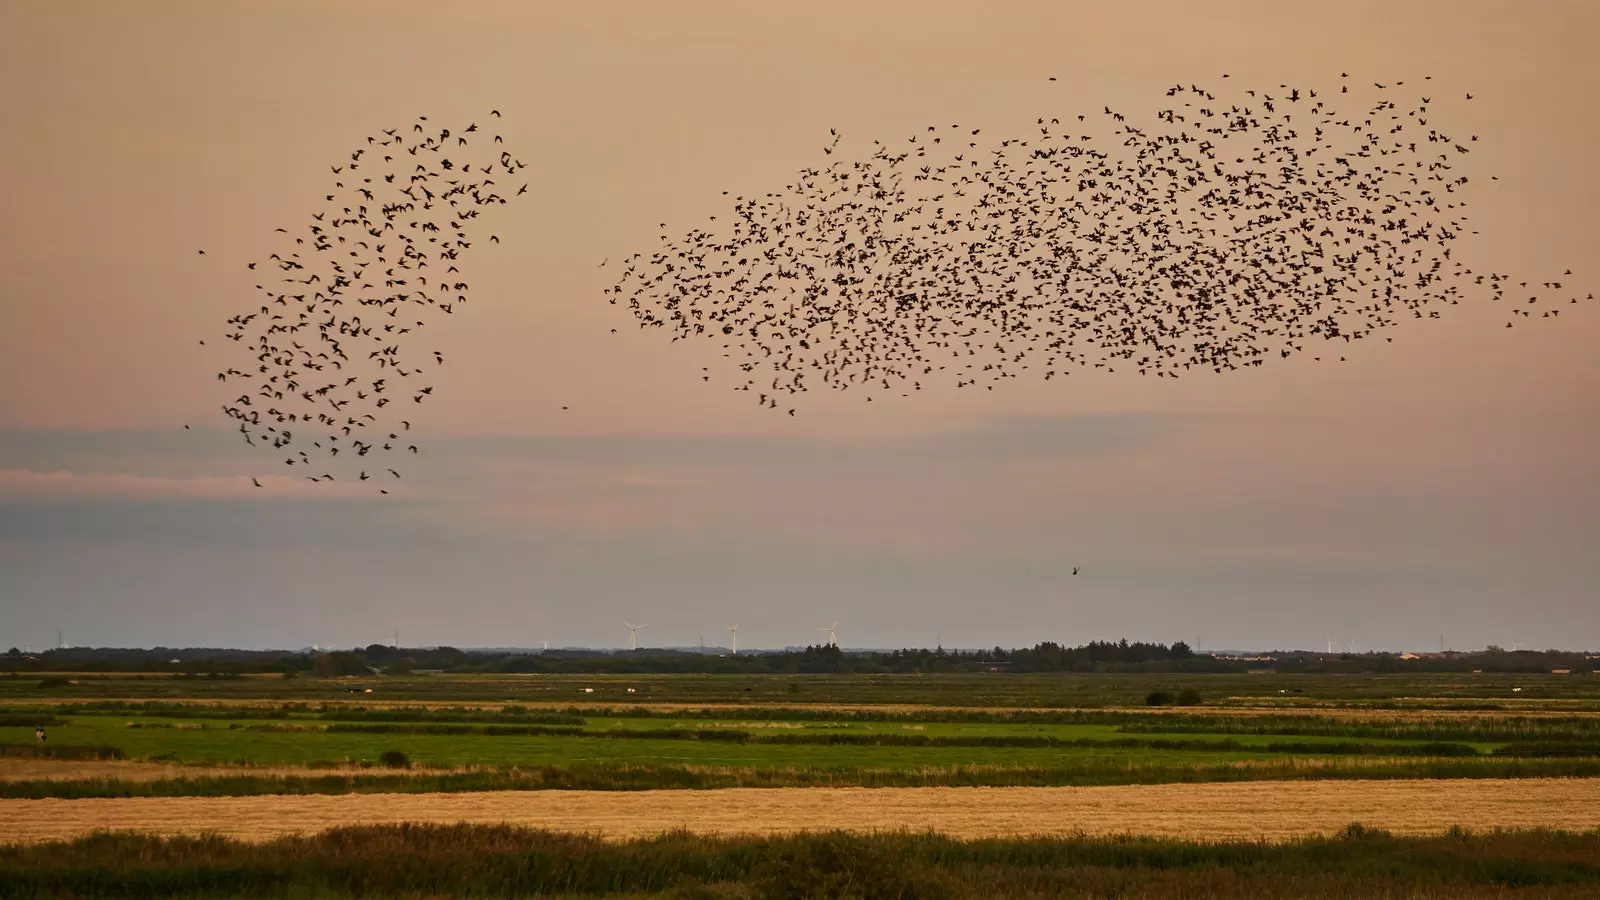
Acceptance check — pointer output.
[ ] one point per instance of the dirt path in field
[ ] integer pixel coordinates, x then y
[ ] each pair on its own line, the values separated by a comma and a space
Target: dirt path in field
1272, 810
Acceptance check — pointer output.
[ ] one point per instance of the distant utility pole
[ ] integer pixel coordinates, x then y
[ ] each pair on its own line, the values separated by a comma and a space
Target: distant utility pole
397, 639
60, 642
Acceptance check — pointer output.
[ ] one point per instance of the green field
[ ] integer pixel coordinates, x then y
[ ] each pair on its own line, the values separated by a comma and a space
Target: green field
1066, 690
479, 732
243, 737
245, 742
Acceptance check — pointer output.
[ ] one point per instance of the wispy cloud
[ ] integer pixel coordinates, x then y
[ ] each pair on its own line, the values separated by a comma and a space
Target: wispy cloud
35, 485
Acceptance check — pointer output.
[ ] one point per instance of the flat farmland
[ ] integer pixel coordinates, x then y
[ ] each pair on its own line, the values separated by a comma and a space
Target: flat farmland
485, 733
985, 691
291, 743
1204, 811
681, 770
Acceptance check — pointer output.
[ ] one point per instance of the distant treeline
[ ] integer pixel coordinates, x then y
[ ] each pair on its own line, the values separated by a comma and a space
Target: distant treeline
1096, 656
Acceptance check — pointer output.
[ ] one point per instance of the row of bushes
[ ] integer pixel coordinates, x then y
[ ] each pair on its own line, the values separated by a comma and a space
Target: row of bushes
501, 861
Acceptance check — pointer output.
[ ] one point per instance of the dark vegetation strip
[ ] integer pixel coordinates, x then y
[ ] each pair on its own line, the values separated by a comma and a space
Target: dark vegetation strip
1496, 729
1082, 772
319, 712
918, 740
68, 752
37, 720
502, 861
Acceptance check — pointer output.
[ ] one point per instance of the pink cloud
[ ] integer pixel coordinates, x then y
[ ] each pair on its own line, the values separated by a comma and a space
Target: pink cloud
73, 484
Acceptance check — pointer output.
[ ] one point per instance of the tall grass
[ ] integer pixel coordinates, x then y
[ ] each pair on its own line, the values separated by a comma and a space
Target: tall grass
498, 861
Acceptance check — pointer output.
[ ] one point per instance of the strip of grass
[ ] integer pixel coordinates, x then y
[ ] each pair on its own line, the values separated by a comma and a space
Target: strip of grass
1485, 729
1080, 772
497, 861
449, 747
924, 740
1076, 690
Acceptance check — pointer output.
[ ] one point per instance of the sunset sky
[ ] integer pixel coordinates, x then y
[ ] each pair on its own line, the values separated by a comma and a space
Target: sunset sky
1443, 483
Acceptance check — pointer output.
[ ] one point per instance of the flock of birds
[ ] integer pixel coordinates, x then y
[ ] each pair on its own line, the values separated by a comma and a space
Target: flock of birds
325, 340
1220, 233
1216, 235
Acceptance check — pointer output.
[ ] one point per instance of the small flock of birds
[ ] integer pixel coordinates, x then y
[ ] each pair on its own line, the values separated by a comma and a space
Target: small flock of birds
325, 342
1220, 233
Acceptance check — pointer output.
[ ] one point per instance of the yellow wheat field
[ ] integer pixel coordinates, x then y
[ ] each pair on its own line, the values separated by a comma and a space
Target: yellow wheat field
1269, 810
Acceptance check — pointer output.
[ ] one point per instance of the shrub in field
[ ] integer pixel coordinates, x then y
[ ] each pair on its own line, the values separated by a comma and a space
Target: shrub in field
1189, 697
843, 865
395, 759
1157, 698
53, 682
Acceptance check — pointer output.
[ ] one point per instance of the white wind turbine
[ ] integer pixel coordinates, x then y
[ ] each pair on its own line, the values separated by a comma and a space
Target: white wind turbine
633, 636
832, 630
735, 629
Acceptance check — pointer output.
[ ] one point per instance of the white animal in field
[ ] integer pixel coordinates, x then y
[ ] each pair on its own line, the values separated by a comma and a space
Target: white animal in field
588, 690
631, 690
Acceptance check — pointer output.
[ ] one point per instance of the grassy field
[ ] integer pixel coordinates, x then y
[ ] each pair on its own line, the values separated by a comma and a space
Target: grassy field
1262, 755
496, 732
1485, 691
498, 861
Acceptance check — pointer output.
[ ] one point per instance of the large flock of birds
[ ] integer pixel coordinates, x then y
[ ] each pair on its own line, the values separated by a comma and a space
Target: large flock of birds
325, 341
1220, 233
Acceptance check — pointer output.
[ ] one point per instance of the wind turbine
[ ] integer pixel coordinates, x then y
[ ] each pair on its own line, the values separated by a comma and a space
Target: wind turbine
735, 629
833, 637
633, 636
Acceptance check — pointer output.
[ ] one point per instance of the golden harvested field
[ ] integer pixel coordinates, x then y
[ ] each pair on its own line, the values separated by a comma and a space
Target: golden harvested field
1271, 810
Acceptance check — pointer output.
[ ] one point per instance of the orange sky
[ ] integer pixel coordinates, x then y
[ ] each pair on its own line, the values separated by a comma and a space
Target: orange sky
142, 131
